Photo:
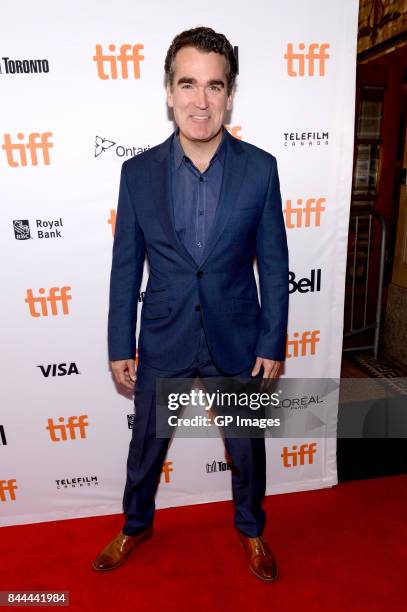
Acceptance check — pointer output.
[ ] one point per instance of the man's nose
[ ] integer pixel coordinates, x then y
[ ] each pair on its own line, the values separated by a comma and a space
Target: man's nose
201, 99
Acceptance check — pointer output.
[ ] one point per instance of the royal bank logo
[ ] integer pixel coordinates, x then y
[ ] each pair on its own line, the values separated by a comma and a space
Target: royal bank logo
303, 140
10, 65
58, 369
21, 229
105, 144
218, 466
3, 439
77, 482
130, 421
45, 229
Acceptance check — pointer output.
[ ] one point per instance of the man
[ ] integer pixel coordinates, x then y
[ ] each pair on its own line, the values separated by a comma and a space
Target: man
200, 207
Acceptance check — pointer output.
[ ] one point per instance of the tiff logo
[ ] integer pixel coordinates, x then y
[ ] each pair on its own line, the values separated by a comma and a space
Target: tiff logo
3, 439
74, 425
8, 487
307, 215
234, 130
16, 152
107, 63
112, 220
55, 295
295, 457
301, 347
303, 63
166, 470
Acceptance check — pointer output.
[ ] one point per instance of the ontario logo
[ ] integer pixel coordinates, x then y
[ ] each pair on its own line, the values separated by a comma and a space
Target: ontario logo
105, 144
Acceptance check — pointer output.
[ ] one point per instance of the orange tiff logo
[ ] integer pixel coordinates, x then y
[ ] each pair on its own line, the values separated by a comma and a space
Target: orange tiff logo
296, 456
166, 470
234, 130
301, 347
8, 487
112, 220
74, 428
107, 63
304, 215
55, 295
16, 152
302, 63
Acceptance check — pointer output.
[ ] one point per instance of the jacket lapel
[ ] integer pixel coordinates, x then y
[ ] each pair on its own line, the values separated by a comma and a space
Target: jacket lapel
162, 189
233, 175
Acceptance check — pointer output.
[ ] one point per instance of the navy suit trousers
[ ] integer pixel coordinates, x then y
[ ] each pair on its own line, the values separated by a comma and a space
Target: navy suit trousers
147, 454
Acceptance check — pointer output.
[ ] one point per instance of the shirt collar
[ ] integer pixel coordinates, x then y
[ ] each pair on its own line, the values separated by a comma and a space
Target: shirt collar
179, 154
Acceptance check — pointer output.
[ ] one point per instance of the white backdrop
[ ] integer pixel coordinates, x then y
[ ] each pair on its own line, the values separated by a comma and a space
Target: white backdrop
64, 429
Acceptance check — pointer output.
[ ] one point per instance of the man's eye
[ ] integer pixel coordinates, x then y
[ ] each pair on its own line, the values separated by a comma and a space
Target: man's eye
215, 88
186, 86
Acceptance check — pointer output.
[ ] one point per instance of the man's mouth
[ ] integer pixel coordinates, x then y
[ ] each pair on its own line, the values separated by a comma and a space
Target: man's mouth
200, 117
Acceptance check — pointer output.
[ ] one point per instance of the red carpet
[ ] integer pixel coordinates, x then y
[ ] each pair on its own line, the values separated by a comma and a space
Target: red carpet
338, 549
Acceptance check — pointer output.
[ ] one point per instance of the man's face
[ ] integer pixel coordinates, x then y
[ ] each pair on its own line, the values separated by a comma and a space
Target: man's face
198, 95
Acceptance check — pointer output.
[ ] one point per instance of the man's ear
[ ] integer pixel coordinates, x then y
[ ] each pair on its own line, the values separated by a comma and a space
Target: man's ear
170, 100
229, 101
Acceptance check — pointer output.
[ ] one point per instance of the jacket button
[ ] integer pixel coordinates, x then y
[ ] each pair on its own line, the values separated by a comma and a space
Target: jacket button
199, 274
198, 307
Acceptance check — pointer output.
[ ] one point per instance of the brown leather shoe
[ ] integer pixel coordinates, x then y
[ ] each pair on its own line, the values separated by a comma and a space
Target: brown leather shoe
261, 560
119, 549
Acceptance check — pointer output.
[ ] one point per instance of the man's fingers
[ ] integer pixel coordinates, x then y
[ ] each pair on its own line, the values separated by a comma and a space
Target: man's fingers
124, 372
257, 366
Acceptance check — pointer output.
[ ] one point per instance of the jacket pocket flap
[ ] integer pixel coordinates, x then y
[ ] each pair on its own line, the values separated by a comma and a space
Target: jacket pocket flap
156, 311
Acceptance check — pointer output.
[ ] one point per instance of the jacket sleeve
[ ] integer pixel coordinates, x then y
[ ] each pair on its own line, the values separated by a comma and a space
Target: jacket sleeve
272, 258
125, 277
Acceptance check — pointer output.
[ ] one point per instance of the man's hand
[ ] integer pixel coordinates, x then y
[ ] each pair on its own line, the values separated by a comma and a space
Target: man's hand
124, 372
271, 368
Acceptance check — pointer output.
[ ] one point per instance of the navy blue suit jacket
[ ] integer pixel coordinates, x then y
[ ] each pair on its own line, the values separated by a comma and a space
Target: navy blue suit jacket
248, 223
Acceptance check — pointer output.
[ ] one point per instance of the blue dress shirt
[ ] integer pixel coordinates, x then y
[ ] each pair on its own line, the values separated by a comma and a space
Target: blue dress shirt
195, 196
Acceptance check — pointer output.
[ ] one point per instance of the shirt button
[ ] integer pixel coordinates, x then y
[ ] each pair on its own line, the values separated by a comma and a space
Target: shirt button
199, 244
199, 273
201, 179
201, 212
198, 307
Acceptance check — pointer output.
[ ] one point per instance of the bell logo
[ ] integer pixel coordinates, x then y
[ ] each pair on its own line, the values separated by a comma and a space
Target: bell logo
296, 457
68, 431
234, 130
307, 215
16, 152
107, 63
55, 295
303, 62
166, 470
301, 347
112, 221
8, 487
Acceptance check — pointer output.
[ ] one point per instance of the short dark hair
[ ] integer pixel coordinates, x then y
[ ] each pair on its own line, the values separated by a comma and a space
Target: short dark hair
203, 39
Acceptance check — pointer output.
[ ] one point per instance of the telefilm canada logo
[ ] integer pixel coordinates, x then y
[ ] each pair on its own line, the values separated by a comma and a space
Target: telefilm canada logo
306, 140
9, 65
102, 145
43, 229
77, 482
